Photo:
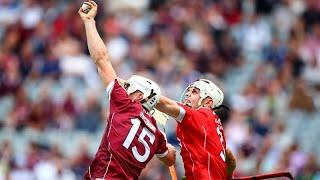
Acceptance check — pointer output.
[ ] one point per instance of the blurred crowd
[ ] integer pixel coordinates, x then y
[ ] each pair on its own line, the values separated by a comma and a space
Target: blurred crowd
265, 54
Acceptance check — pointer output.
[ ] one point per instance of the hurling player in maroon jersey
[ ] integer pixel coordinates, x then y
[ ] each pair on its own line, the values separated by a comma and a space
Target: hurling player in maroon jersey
131, 137
199, 130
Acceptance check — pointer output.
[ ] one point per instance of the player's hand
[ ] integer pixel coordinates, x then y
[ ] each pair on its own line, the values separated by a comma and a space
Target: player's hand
170, 158
172, 149
171, 155
231, 163
92, 12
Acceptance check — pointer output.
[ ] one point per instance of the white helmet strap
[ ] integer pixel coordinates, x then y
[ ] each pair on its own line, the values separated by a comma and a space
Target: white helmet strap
200, 100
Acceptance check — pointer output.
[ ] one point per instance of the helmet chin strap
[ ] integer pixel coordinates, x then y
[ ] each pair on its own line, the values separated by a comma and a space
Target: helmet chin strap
200, 101
204, 95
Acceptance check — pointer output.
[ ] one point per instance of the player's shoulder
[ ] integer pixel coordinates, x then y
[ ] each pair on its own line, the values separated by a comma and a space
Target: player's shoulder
114, 86
186, 108
120, 101
206, 110
194, 113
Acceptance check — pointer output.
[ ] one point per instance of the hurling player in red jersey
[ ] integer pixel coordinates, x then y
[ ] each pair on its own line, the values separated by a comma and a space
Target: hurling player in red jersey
199, 130
131, 137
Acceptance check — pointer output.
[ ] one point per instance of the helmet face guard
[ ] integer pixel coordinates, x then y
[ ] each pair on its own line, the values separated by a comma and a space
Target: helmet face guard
207, 89
151, 91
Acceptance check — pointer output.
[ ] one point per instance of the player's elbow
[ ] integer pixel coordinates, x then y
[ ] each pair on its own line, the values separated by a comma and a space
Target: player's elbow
100, 55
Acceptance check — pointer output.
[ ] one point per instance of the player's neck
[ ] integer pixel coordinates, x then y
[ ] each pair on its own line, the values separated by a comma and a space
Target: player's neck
204, 107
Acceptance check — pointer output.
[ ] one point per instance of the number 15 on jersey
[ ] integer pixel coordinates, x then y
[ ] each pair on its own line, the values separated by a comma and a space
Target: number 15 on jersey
132, 134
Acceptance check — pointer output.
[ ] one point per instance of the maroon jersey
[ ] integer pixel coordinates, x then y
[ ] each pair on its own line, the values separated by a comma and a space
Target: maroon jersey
130, 140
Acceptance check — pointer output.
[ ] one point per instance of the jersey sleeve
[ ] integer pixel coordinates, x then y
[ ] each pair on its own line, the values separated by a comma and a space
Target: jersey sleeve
162, 149
118, 97
188, 116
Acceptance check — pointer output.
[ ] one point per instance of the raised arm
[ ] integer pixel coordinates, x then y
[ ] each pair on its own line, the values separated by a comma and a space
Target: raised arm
97, 48
168, 107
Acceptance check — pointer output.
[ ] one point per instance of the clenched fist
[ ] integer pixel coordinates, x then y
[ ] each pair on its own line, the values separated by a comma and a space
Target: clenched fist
91, 13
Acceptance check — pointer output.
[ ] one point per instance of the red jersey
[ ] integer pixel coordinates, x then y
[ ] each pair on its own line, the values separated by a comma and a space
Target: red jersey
130, 140
202, 144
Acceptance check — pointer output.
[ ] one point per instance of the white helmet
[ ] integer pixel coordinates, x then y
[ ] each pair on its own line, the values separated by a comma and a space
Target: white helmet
150, 90
207, 89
